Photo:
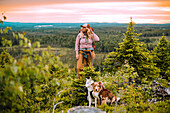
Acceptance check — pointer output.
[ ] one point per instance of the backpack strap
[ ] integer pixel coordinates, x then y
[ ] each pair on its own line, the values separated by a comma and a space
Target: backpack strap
79, 42
93, 45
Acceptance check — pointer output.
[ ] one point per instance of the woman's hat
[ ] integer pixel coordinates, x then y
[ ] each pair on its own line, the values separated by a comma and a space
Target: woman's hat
87, 26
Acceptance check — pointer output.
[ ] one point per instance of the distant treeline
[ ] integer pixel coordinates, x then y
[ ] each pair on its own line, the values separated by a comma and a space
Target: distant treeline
110, 34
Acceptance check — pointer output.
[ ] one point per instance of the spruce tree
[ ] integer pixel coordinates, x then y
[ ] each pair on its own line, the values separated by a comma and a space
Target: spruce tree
162, 57
136, 54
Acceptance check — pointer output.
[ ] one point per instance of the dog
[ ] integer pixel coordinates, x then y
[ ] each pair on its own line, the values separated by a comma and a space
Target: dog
96, 92
90, 98
101, 93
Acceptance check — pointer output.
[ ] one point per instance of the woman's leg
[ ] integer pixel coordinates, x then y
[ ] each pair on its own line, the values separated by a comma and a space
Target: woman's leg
80, 64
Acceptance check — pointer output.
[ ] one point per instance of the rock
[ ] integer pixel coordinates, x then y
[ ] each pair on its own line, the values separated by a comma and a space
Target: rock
167, 90
85, 109
158, 91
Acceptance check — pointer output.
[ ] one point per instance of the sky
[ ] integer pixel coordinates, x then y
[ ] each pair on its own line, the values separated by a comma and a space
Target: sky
84, 11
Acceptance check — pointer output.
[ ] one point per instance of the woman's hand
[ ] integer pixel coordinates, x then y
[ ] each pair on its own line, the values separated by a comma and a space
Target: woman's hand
77, 56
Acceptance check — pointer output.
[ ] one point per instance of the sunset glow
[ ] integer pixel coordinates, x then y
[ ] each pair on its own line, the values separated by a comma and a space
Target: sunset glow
80, 12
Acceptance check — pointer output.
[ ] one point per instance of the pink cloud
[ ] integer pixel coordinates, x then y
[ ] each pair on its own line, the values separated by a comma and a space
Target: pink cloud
143, 12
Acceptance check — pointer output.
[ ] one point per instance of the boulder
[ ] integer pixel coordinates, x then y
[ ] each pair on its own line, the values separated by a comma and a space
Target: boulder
85, 109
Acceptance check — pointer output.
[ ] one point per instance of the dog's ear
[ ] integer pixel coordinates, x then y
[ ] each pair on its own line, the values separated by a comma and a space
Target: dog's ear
100, 84
90, 78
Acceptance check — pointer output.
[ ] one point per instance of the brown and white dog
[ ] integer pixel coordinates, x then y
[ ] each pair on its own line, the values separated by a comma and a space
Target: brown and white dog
103, 94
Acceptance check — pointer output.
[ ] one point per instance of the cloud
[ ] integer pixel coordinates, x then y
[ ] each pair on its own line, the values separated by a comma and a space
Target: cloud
91, 12
43, 11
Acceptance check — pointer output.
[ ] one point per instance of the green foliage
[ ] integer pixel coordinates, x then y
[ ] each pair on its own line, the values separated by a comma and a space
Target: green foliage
5, 58
5, 42
79, 94
133, 96
90, 72
162, 57
37, 81
135, 53
31, 86
75, 95
31, 83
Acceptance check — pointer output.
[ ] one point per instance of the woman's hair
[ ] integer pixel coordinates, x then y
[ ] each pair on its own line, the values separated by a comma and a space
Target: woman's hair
89, 33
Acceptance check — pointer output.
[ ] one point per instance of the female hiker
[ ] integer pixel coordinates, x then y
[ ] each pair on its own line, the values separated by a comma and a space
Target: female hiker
84, 47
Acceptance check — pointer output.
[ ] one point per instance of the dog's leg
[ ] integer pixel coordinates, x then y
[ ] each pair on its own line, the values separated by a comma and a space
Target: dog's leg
90, 101
96, 102
89, 98
113, 100
103, 100
106, 99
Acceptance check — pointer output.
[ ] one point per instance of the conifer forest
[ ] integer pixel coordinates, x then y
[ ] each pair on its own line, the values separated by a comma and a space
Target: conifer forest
38, 67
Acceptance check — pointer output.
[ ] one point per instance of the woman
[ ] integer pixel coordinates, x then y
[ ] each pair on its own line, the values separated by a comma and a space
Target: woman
84, 47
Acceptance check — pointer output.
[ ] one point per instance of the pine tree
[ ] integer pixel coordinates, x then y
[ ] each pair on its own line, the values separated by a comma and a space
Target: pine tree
162, 56
136, 54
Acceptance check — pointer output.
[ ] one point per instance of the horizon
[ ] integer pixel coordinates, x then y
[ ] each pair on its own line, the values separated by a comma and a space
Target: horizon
89, 11
81, 22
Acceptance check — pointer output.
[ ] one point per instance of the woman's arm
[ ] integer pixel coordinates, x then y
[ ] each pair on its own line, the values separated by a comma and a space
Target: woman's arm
95, 37
77, 44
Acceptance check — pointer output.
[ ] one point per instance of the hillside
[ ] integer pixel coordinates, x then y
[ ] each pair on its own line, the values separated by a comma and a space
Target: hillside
38, 68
